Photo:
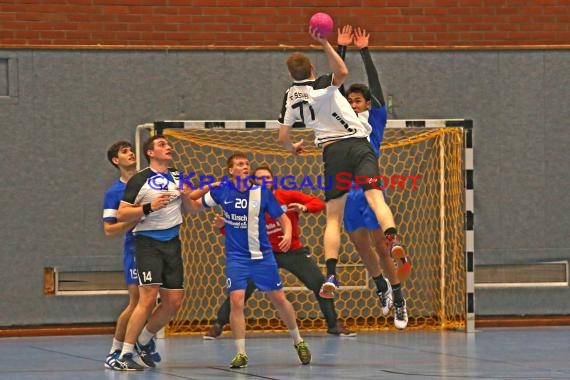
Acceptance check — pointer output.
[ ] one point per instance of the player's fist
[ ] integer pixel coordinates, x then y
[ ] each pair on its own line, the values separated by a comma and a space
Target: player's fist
297, 207
298, 147
219, 221
160, 201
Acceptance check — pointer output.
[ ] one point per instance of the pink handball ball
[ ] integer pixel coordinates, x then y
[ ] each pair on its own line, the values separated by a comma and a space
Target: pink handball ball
322, 23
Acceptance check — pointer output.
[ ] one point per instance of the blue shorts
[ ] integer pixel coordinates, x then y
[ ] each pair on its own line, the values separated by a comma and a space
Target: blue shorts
130, 266
264, 274
357, 213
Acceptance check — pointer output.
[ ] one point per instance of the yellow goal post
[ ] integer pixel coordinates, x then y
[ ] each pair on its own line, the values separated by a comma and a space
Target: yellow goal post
427, 169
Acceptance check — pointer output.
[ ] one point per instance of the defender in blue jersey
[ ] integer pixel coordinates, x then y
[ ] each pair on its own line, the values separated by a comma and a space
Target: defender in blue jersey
122, 156
359, 219
249, 255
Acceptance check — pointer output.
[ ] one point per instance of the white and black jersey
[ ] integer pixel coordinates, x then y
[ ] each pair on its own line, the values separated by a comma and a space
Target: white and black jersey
320, 106
147, 184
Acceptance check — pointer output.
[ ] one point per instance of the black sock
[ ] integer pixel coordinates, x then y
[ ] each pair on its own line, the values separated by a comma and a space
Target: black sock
397, 292
380, 282
331, 266
390, 232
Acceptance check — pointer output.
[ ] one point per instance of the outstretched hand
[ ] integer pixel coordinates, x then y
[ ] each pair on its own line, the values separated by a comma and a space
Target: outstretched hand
285, 243
361, 38
344, 37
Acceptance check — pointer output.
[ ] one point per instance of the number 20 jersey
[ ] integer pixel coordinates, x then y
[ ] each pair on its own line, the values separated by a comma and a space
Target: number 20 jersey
320, 106
244, 216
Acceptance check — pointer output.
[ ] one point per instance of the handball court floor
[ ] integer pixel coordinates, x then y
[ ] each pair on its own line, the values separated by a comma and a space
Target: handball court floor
489, 353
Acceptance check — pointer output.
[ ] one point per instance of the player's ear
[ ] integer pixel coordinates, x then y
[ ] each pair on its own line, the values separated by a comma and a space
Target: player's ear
115, 160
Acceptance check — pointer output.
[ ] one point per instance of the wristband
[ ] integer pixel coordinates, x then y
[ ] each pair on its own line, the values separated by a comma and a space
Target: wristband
342, 51
146, 209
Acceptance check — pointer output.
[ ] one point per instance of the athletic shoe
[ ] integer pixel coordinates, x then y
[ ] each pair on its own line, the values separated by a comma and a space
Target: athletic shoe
148, 353
400, 316
386, 299
329, 287
126, 363
239, 361
303, 352
214, 332
111, 358
339, 330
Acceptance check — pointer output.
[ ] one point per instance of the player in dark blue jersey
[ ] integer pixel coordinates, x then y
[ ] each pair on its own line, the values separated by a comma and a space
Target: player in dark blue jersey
359, 219
122, 156
249, 255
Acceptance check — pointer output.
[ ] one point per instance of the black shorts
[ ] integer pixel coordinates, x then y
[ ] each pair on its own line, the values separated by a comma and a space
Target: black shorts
159, 262
347, 161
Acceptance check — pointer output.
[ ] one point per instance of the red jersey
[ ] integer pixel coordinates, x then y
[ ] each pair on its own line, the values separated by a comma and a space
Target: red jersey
286, 197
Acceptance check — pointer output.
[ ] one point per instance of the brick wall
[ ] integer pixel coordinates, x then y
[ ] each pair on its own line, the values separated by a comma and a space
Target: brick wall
269, 24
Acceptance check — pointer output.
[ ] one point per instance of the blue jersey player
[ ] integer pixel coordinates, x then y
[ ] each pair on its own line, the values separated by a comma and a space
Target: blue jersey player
249, 255
359, 219
122, 156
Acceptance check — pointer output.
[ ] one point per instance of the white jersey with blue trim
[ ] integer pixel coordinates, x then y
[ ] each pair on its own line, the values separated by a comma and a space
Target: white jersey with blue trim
244, 216
320, 106
146, 185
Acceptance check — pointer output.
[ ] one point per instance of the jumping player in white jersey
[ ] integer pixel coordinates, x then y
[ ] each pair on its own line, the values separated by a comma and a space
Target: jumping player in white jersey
347, 153
122, 156
249, 256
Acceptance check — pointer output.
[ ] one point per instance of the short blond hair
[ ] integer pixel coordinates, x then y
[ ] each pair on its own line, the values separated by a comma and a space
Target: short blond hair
299, 66
233, 157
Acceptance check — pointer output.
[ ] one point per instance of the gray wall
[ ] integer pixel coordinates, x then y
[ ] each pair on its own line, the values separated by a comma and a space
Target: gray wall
61, 109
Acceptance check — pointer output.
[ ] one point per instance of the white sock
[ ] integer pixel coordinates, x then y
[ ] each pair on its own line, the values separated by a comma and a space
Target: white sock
117, 345
128, 348
296, 335
145, 336
240, 346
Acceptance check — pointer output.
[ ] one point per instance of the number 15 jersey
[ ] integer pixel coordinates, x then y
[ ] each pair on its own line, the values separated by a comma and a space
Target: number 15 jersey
320, 106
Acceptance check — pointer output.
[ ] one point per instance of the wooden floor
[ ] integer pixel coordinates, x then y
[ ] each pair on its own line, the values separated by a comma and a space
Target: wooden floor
489, 353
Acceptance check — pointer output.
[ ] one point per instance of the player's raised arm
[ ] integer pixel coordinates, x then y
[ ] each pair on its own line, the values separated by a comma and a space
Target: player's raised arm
344, 39
336, 64
361, 40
